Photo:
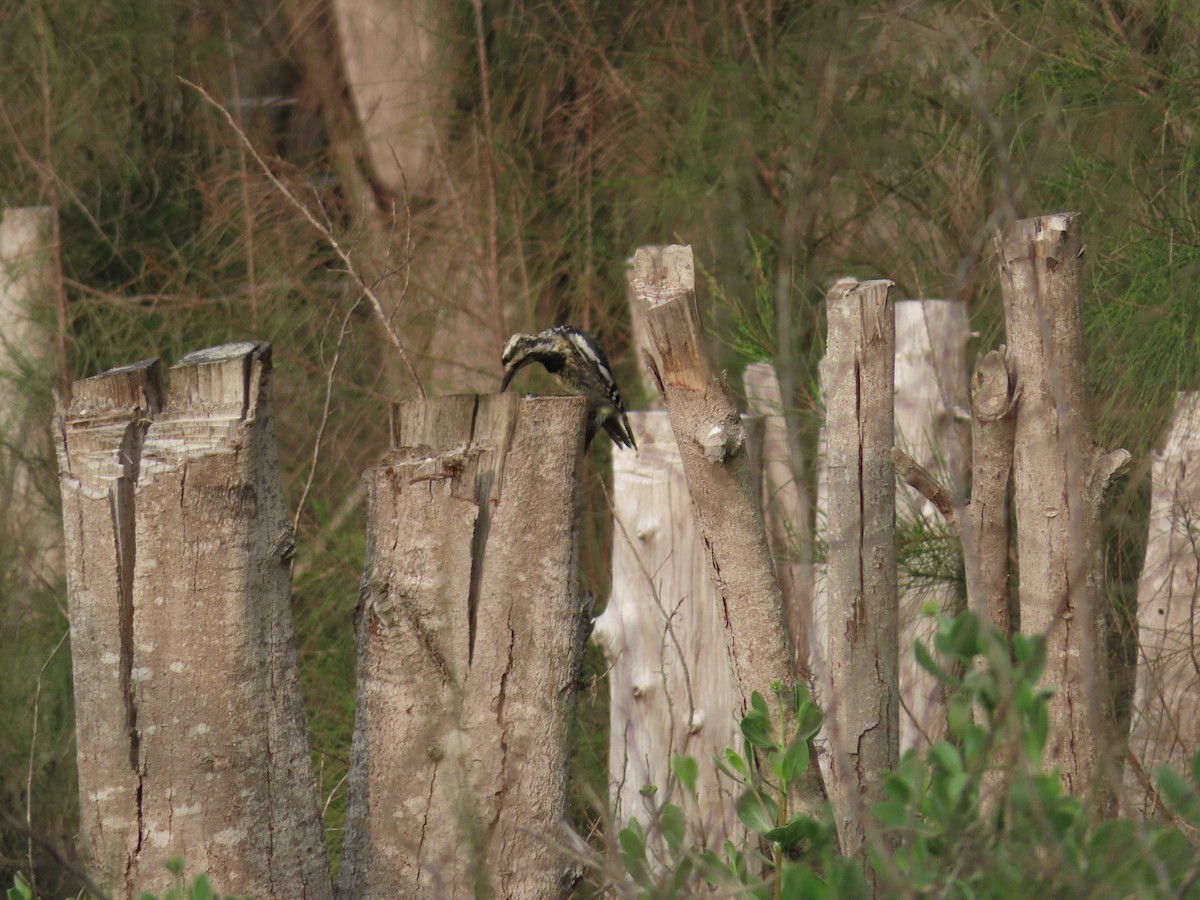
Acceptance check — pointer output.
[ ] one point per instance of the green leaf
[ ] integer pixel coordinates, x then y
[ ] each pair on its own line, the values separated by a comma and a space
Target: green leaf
201, 889
891, 813
673, 826
735, 761
757, 811
632, 841
758, 704
809, 720
945, 756
1196, 769
20, 889
683, 872
801, 698
756, 728
1178, 795
927, 662
686, 769
802, 826
799, 880
795, 762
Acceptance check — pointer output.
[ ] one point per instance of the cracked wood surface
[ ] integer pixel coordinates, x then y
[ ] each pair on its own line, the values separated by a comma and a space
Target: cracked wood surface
861, 615
1060, 477
470, 639
177, 540
722, 482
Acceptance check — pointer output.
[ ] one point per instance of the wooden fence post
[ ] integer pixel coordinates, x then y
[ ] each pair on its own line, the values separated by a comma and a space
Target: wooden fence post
470, 638
184, 630
28, 280
787, 509
670, 680
724, 492
1166, 705
1060, 477
99, 444
857, 381
930, 392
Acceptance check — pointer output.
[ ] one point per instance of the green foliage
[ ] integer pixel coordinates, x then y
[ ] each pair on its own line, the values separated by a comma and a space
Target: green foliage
974, 816
199, 888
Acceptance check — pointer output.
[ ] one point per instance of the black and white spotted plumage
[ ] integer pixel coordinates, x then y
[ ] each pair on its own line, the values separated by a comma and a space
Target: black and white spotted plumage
579, 365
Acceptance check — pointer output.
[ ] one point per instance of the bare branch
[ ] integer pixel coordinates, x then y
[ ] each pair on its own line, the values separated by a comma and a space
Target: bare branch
326, 233
923, 481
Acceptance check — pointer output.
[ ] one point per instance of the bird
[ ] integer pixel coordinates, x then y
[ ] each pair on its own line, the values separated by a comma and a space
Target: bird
579, 365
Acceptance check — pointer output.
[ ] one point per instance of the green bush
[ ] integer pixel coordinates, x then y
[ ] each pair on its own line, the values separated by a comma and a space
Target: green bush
973, 816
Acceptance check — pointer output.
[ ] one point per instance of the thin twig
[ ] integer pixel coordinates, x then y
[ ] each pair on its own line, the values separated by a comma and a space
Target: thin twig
493, 244
329, 378
37, 697
326, 233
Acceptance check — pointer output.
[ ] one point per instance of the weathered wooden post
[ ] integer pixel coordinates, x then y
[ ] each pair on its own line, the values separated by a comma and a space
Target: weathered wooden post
28, 287
1166, 704
1060, 477
863, 709
930, 402
191, 730
670, 680
470, 637
787, 508
724, 492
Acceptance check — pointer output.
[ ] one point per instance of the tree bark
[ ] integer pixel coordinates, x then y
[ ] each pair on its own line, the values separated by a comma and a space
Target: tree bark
191, 637
670, 680
1060, 478
787, 508
470, 639
1166, 706
99, 439
857, 381
985, 530
931, 389
724, 493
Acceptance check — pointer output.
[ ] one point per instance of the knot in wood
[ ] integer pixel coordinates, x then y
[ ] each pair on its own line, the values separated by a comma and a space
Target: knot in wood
646, 528
715, 441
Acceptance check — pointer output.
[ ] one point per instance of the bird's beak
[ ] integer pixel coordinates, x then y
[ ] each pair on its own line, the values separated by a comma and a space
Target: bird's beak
511, 369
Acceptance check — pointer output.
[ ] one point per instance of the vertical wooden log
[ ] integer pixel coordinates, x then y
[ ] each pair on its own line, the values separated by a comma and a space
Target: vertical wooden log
721, 483
787, 509
225, 778
1060, 479
643, 343
857, 379
671, 684
99, 444
470, 638
191, 732
985, 525
931, 389
1166, 705
28, 275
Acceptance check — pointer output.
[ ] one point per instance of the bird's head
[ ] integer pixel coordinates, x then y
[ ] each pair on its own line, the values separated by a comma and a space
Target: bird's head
523, 349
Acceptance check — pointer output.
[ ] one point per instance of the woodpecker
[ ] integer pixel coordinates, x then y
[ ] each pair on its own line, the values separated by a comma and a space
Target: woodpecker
578, 365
